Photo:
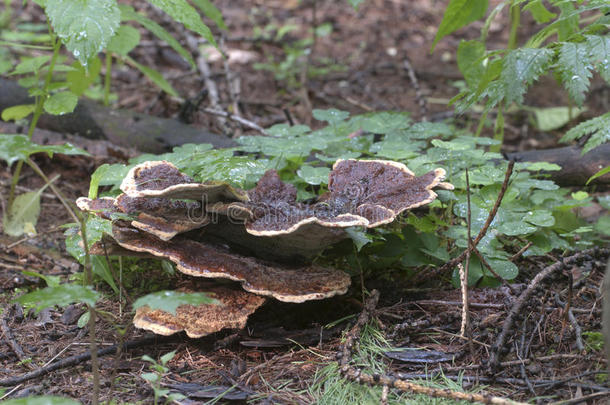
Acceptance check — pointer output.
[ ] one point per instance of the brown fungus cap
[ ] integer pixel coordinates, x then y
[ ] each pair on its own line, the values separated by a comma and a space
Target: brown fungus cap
163, 179
231, 312
289, 284
361, 193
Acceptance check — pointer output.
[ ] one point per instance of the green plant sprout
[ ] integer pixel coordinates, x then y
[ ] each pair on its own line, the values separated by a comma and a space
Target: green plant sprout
158, 370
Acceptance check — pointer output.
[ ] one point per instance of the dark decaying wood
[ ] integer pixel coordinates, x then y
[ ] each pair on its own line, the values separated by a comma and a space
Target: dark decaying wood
122, 127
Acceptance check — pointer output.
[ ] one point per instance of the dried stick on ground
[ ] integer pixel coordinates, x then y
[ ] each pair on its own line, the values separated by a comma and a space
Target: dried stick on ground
492, 214
421, 100
10, 339
81, 358
521, 302
577, 331
357, 375
236, 118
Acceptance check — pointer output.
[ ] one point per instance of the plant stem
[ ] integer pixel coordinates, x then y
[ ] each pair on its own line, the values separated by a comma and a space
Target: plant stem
107, 78
515, 18
37, 113
81, 220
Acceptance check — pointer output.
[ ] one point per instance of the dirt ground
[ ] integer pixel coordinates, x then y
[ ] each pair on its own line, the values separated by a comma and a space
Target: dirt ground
275, 358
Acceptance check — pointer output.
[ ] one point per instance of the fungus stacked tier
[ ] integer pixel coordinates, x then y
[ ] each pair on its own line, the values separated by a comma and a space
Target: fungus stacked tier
262, 238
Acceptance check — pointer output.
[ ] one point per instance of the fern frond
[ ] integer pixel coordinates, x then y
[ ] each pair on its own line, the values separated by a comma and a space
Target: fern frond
575, 67
598, 128
521, 68
598, 48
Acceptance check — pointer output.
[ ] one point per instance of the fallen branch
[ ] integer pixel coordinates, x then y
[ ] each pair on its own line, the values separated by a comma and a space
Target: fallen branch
521, 302
81, 358
357, 375
10, 339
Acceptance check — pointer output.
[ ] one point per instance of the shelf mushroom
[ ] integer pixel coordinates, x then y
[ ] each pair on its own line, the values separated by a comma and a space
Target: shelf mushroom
152, 218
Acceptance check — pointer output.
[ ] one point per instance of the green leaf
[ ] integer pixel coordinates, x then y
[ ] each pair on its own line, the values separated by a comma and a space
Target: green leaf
505, 269
603, 171
128, 14
540, 218
332, 115
17, 112
575, 68
599, 51
29, 65
355, 3
458, 14
603, 225
84, 26
536, 166
44, 400
384, 122
359, 236
96, 228
167, 357
539, 11
520, 69
470, 56
82, 77
61, 295
168, 301
100, 267
14, 147
61, 103
83, 320
598, 128
52, 281
182, 12
125, 39
516, 228
22, 215
314, 175
156, 77
211, 11
551, 118
286, 130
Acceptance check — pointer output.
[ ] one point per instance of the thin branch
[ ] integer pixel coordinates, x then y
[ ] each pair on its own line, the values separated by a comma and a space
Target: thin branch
237, 118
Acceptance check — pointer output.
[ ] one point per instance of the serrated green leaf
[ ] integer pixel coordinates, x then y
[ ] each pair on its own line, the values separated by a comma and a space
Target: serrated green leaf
169, 301
551, 118
156, 77
599, 52
125, 39
82, 77
167, 357
211, 11
286, 130
84, 26
128, 14
61, 103
520, 69
61, 295
184, 13
332, 115
22, 214
314, 175
539, 11
575, 68
150, 377
598, 128
470, 55
359, 237
43, 400
458, 14
96, 228
516, 228
14, 147
17, 112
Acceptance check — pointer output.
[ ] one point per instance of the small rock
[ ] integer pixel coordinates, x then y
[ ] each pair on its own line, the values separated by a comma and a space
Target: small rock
71, 314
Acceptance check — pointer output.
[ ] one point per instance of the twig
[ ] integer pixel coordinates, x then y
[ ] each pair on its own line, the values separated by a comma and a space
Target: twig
10, 339
492, 214
357, 375
520, 252
465, 325
421, 100
570, 315
236, 118
583, 399
523, 299
464, 289
233, 81
81, 358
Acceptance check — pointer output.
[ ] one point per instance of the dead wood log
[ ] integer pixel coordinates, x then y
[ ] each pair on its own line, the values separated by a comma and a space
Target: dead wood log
575, 169
122, 127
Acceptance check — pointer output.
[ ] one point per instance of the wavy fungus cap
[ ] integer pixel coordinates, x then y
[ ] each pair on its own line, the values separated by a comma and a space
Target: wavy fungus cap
231, 312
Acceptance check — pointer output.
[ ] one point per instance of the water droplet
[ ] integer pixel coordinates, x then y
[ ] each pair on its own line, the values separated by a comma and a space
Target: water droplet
76, 53
575, 77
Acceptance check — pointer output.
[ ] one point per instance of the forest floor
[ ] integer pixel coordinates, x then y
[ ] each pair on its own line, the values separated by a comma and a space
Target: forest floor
283, 355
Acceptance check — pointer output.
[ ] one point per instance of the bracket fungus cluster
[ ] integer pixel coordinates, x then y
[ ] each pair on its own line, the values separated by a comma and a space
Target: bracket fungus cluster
212, 230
